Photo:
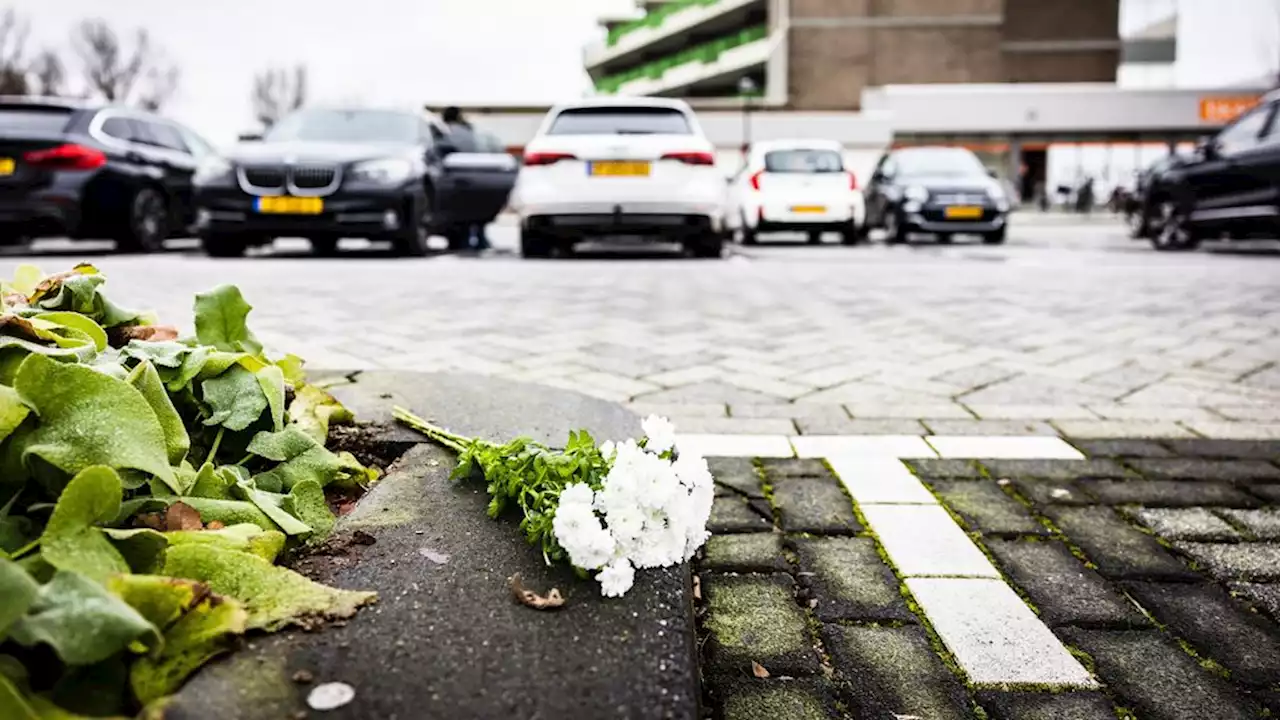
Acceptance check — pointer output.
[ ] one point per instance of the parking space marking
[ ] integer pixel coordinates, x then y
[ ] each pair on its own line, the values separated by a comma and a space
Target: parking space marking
965, 447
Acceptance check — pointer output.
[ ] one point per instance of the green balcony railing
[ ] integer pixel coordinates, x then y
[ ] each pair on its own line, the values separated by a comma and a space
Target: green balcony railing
705, 53
655, 18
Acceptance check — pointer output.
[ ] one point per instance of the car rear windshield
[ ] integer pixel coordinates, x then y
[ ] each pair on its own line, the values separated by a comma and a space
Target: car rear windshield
803, 161
620, 121
24, 120
355, 126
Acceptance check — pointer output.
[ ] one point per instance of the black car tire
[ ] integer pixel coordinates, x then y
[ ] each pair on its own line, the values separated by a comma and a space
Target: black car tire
815, 237
710, 245
749, 235
944, 238
146, 225
1140, 222
224, 246
412, 240
1174, 234
534, 244
852, 235
995, 237
324, 246
459, 237
895, 233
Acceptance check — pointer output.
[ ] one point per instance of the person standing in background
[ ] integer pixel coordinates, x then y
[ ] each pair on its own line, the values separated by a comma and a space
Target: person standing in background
463, 137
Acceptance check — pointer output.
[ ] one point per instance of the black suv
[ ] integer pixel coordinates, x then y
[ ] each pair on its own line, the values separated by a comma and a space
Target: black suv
325, 174
1230, 188
73, 168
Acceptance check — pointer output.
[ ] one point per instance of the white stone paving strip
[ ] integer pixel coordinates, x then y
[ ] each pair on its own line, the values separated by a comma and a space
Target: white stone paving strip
877, 480
764, 446
1003, 448
994, 636
892, 446
923, 541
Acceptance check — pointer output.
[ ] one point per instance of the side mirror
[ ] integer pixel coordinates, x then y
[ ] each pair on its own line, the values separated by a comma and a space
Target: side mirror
1206, 147
250, 137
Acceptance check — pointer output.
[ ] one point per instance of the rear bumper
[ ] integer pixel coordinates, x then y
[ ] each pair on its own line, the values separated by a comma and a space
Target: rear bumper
38, 216
370, 214
660, 226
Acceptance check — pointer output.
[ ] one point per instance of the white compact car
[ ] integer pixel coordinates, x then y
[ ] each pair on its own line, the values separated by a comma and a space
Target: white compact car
797, 186
620, 167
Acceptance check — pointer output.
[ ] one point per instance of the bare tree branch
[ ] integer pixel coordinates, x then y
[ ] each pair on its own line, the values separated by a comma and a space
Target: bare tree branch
13, 45
141, 75
49, 74
276, 92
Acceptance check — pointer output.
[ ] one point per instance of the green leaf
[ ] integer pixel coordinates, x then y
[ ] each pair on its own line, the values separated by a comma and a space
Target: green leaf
87, 418
271, 378
19, 591
80, 292
161, 600
235, 399
210, 483
166, 354
71, 540
82, 353
192, 363
220, 317
272, 505
228, 512
301, 457
313, 410
274, 596
177, 443
80, 323
142, 548
13, 706
82, 621
245, 537
202, 633
306, 502
25, 280
291, 365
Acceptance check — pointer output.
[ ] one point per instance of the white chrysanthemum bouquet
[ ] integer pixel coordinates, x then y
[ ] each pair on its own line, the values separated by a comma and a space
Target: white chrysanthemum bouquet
609, 509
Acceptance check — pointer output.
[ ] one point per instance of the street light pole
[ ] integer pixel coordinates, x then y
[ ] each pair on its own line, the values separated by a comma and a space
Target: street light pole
746, 88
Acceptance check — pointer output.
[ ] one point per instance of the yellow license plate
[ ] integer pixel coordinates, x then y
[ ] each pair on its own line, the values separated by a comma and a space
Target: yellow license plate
7, 166
620, 168
963, 212
808, 209
291, 205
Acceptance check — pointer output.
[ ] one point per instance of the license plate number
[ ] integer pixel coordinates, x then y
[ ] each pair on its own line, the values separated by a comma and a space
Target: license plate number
7, 166
808, 209
619, 168
963, 212
290, 205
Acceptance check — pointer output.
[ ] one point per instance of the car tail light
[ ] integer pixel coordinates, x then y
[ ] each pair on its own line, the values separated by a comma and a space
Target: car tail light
546, 158
755, 180
853, 181
695, 157
66, 157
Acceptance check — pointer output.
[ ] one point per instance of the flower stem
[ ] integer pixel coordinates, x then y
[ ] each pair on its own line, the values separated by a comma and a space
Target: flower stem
453, 441
213, 451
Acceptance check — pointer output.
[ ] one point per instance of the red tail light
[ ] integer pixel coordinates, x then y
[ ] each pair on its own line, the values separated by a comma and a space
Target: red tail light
546, 158
66, 157
755, 180
692, 158
853, 181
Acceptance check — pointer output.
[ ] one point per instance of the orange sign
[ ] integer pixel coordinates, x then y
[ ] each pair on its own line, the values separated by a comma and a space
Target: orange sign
1227, 108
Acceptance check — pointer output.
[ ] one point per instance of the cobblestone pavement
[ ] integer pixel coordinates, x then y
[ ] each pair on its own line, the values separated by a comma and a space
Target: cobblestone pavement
1069, 329
1154, 564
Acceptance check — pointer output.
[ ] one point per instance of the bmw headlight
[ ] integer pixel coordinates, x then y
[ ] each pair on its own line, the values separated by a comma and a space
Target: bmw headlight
211, 170
391, 171
916, 192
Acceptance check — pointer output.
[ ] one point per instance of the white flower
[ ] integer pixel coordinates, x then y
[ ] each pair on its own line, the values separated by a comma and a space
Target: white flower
626, 522
579, 532
577, 494
606, 449
660, 432
616, 579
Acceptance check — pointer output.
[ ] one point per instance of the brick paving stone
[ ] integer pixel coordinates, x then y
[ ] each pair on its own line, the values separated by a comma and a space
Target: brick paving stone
1201, 469
985, 507
1243, 561
745, 552
1149, 673
1195, 523
849, 580
1044, 493
846, 426
1061, 587
1265, 597
1046, 706
814, 505
734, 514
790, 411
1168, 493
1219, 628
670, 410
1096, 429
1122, 448
738, 473
755, 618
1227, 449
733, 425
892, 672
945, 468
988, 427
1117, 548
1269, 493
799, 699
1032, 412
909, 411
1055, 469
776, 469
1236, 430
1262, 524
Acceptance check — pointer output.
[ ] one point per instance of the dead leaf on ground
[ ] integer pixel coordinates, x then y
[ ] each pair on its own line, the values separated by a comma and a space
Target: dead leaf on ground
697, 588
552, 600
120, 336
181, 516
155, 521
215, 525
758, 670
438, 558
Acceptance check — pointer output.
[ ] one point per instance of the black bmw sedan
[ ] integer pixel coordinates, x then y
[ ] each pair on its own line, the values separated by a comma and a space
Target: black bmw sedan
326, 174
938, 190
84, 170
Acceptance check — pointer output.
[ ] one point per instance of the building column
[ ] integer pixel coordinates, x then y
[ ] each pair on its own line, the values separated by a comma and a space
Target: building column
1014, 176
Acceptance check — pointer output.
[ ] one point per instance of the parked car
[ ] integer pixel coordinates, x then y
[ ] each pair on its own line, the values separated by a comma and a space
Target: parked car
1143, 206
1230, 188
610, 167
325, 174
85, 170
938, 190
799, 186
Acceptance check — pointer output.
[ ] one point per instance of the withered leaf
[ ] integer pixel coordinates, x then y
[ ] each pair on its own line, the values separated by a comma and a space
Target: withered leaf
552, 600
697, 588
181, 516
758, 670
120, 336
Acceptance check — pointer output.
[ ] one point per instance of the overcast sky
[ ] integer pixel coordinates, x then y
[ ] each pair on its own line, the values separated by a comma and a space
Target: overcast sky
411, 52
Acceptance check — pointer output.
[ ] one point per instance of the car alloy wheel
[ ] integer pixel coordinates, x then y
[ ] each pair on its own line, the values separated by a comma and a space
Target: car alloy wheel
148, 222
412, 241
1173, 234
893, 234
